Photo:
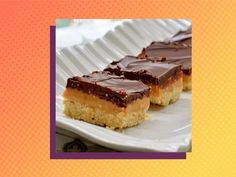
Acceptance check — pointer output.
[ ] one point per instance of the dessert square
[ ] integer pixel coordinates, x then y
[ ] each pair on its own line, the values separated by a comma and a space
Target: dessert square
176, 50
164, 79
107, 100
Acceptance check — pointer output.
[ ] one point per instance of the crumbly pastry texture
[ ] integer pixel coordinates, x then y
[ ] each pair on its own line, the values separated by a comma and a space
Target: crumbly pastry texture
169, 93
108, 100
92, 109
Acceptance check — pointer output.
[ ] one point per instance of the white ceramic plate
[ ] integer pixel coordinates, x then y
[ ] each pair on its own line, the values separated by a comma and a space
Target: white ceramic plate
167, 130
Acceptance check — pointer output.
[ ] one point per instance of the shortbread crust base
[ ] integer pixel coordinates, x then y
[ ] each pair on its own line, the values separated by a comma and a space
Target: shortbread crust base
169, 93
92, 109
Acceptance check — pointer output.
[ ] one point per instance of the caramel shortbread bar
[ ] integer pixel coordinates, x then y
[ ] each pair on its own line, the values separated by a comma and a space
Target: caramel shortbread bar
176, 50
165, 80
107, 100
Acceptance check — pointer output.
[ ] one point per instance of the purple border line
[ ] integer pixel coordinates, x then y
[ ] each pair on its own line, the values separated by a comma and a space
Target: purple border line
89, 155
52, 92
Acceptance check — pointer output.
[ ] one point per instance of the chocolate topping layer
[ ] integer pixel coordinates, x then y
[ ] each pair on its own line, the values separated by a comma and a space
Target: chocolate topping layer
116, 89
145, 70
178, 50
182, 37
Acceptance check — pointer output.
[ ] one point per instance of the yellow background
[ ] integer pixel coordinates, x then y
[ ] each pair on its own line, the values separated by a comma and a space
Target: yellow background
24, 88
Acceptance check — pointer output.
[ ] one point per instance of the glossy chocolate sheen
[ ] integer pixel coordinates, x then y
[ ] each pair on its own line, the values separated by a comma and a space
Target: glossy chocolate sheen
117, 89
184, 37
177, 50
147, 71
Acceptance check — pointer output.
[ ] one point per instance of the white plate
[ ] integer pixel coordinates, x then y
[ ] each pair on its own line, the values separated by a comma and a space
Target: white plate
167, 130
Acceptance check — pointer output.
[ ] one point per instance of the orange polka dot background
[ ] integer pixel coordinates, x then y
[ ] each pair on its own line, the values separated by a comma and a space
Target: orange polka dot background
24, 88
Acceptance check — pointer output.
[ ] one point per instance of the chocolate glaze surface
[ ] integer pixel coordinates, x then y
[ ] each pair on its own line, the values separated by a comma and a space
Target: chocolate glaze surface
176, 50
182, 37
117, 89
147, 71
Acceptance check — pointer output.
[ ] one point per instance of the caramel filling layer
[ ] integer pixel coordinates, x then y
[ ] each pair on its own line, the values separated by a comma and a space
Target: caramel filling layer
187, 82
168, 92
93, 101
